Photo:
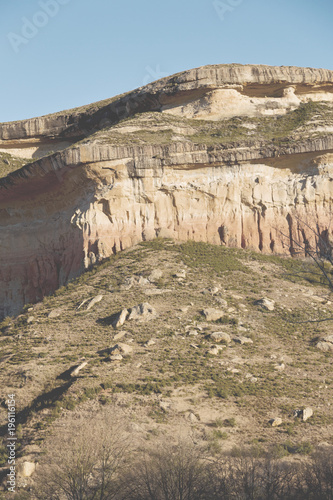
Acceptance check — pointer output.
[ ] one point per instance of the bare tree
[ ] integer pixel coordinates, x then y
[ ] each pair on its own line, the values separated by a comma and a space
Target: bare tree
84, 462
170, 473
318, 475
317, 244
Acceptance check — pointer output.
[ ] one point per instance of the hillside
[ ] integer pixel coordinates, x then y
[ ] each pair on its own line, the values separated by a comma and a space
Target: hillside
202, 358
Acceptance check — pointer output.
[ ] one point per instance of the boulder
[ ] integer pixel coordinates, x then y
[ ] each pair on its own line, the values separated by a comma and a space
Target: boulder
192, 333
192, 417
26, 469
180, 274
240, 339
123, 349
215, 350
121, 318
221, 337
55, 313
115, 357
119, 335
94, 301
155, 275
128, 283
267, 304
307, 413
212, 314
141, 312
77, 369
221, 301
275, 422
279, 367
325, 344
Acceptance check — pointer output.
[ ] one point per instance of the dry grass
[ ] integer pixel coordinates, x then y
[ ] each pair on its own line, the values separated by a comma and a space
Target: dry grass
233, 395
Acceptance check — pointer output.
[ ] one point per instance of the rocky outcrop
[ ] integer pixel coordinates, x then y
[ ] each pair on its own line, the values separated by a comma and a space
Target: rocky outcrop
252, 80
73, 208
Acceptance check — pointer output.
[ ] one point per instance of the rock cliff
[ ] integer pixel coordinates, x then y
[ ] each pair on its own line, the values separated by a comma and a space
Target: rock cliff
230, 154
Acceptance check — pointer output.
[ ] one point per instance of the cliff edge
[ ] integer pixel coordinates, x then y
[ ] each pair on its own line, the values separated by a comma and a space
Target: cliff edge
229, 154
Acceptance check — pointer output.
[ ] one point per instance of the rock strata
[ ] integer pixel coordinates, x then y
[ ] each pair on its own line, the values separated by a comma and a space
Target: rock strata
229, 154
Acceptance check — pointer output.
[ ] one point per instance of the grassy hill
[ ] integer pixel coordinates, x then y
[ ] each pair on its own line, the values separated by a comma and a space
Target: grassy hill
175, 380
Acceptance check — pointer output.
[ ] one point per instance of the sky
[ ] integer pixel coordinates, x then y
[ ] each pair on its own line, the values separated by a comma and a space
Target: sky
59, 54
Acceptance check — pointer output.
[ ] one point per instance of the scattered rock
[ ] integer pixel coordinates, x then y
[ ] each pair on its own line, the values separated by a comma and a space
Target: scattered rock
77, 369
119, 335
128, 283
141, 312
192, 418
30, 319
241, 329
267, 304
149, 343
275, 422
328, 338
304, 414
155, 275
155, 291
120, 319
307, 413
26, 469
192, 333
221, 301
115, 357
215, 350
214, 290
325, 344
180, 274
165, 406
142, 281
221, 337
242, 340
212, 314
123, 349
94, 301
55, 313
131, 281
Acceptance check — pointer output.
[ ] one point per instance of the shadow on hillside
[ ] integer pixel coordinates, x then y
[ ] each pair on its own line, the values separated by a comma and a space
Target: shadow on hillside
39, 404
108, 320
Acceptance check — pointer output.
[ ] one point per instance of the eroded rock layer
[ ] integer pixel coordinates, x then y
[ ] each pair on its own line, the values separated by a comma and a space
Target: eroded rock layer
233, 155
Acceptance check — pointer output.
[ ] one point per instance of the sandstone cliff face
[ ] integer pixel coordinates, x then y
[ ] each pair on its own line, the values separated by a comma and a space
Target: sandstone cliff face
193, 160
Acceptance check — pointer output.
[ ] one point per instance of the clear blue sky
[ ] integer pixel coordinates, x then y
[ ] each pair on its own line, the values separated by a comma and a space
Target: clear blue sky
59, 54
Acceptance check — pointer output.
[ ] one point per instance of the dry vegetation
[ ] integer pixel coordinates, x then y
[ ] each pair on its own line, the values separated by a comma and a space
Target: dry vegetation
10, 163
308, 120
176, 386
